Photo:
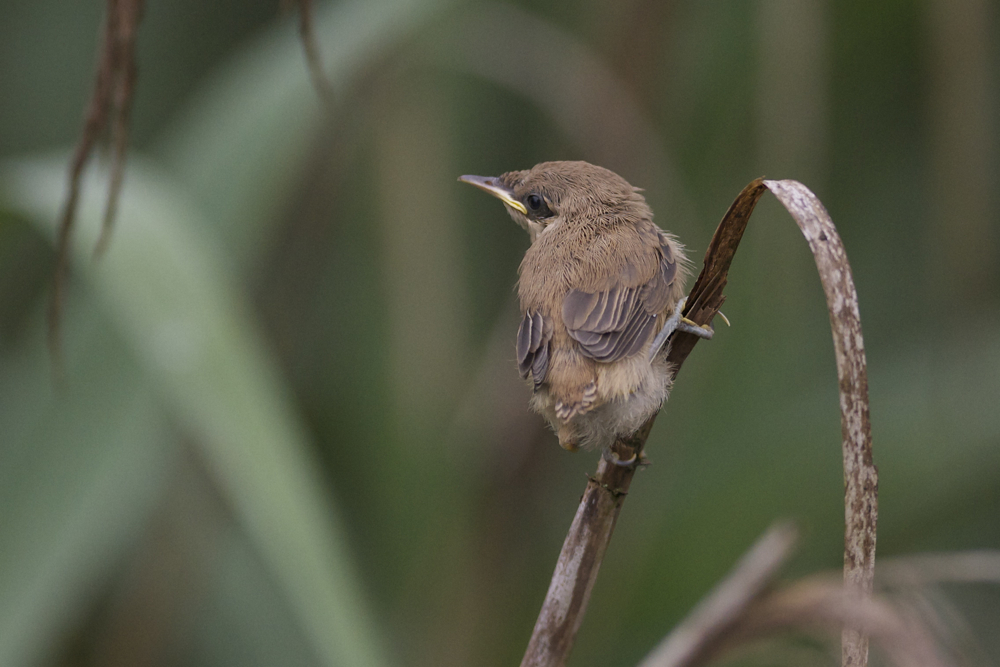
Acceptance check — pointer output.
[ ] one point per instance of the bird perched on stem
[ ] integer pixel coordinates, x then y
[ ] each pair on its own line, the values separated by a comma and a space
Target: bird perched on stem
600, 291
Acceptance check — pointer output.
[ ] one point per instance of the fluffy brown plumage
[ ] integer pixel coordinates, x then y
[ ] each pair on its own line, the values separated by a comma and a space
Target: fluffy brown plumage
596, 286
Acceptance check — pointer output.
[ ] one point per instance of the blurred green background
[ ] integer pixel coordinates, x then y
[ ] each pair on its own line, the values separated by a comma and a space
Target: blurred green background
291, 430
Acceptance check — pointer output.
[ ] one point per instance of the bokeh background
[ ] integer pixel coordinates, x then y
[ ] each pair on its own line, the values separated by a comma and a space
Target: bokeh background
290, 429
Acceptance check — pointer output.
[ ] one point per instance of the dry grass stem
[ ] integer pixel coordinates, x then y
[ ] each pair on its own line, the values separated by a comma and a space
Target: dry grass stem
912, 629
108, 110
860, 474
700, 633
820, 604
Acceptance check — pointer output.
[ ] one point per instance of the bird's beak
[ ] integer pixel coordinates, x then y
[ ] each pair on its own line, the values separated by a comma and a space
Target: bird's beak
493, 185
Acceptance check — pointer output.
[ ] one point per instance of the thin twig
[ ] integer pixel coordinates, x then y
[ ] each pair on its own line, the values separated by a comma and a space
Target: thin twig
130, 12
699, 634
111, 96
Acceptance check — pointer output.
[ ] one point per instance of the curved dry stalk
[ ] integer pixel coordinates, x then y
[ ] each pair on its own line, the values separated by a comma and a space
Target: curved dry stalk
860, 474
822, 604
744, 608
589, 534
702, 631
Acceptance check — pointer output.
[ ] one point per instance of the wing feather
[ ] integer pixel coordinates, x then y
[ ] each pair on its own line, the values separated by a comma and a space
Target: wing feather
524, 342
533, 338
617, 322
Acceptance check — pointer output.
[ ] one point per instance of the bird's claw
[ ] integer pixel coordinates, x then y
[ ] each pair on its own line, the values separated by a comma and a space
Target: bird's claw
699, 330
677, 322
634, 461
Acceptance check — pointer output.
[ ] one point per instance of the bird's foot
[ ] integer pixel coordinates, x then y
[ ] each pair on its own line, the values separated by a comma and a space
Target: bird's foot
688, 326
701, 331
635, 461
677, 322
612, 458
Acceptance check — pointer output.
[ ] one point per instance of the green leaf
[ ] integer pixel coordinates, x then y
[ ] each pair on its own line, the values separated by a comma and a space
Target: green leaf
163, 284
83, 468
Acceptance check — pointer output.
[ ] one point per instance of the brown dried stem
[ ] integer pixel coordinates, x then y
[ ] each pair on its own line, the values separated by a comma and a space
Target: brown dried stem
700, 634
820, 604
744, 608
583, 550
110, 104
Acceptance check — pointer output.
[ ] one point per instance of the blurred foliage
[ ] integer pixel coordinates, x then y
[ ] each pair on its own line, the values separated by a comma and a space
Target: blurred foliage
290, 429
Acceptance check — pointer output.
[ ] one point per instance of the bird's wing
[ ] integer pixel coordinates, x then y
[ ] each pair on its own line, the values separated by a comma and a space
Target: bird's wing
533, 338
616, 322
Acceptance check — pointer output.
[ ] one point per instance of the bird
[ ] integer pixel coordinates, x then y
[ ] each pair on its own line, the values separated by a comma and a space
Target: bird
600, 291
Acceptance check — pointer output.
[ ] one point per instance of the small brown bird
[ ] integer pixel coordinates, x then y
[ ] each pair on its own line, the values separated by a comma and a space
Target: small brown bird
600, 291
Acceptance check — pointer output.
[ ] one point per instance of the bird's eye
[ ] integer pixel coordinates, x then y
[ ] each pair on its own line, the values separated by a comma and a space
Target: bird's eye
535, 204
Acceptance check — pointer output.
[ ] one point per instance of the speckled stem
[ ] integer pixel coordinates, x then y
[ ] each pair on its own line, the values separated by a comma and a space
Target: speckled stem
860, 474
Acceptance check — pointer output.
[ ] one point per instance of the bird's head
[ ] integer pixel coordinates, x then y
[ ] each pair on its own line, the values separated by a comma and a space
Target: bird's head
564, 193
